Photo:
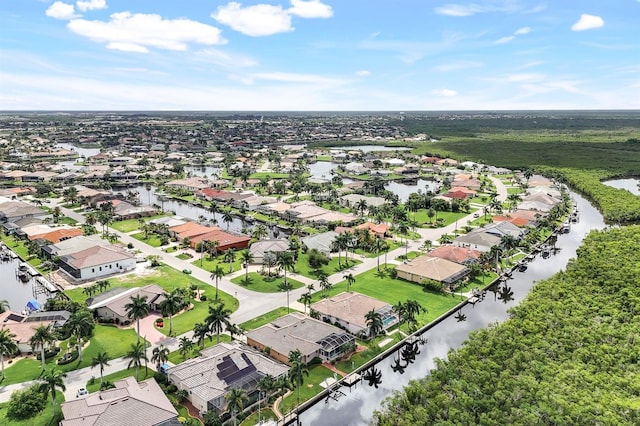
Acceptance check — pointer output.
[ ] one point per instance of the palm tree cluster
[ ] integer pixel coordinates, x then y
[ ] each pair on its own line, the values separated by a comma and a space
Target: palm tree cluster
407, 312
97, 287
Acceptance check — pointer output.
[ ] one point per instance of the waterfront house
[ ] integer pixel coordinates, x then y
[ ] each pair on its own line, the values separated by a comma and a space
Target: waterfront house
96, 262
296, 331
220, 368
350, 310
432, 268
260, 249
462, 255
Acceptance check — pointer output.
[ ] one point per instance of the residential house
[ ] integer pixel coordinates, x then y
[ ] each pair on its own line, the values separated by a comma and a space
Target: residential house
11, 211
191, 184
220, 368
110, 305
23, 327
380, 230
296, 331
129, 403
462, 255
261, 248
52, 234
350, 310
477, 239
96, 262
432, 268
72, 245
322, 242
226, 240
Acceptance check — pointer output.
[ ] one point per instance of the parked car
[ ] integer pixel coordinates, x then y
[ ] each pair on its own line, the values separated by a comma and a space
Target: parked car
81, 392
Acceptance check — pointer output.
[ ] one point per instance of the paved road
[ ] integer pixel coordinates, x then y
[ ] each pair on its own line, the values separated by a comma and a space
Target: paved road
252, 304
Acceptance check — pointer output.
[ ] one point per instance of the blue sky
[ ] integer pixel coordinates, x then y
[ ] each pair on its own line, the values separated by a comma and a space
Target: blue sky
319, 54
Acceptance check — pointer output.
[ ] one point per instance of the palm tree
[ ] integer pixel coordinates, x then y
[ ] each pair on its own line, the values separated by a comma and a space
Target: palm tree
508, 242
41, 338
306, 300
102, 360
378, 246
184, 346
285, 262
7, 346
230, 257
236, 398
136, 355
170, 306
323, 281
235, 330
80, 323
200, 332
217, 318
286, 286
216, 275
52, 381
227, 218
350, 280
4, 305
247, 258
160, 355
137, 309
374, 323
297, 370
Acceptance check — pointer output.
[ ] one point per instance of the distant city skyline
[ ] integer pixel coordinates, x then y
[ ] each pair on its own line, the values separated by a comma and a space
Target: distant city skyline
314, 55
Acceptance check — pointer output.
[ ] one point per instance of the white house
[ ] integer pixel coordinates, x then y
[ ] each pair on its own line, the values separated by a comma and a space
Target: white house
96, 262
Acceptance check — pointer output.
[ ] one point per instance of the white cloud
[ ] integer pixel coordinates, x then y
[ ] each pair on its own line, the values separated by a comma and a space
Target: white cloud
138, 32
60, 10
255, 21
524, 78
504, 40
310, 9
296, 78
523, 30
485, 6
587, 22
447, 93
459, 10
363, 73
457, 66
91, 5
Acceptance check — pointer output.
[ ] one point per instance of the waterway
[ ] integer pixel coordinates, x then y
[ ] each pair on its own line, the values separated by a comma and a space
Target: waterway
15, 291
631, 185
358, 403
370, 148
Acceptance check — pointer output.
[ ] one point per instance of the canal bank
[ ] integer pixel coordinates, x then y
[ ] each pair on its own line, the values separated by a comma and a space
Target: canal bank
355, 405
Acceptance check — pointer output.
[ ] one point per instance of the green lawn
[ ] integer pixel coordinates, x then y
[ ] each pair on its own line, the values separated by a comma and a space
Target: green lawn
170, 279
45, 418
258, 283
152, 240
209, 264
303, 268
392, 291
264, 319
184, 256
176, 357
270, 175
265, 414
449, 217
116, 342
310, 388
410, 255
130, 225
143, 374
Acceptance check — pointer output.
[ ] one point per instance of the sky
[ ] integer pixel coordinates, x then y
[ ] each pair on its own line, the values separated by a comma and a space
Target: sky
319, 55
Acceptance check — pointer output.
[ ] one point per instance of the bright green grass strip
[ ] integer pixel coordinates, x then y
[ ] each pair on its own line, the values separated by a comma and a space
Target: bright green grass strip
258, 283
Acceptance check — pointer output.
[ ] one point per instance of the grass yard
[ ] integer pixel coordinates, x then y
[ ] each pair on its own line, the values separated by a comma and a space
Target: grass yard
448, 217
310, 388
303, 268
45, 418
176, 357
170, 279
209, 264
264, 319
262, 285
152, 240
130, 225
116, 342
265, 415
383, 287
143, 374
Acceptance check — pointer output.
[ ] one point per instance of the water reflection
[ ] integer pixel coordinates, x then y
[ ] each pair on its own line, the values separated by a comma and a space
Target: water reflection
359, 403
15, 291
631, 185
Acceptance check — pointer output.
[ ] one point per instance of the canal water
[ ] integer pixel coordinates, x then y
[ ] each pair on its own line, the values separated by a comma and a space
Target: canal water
15, 291
358, 403
631, 185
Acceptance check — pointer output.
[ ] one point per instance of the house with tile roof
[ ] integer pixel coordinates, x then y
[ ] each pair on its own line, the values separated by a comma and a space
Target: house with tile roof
111, 305
313, 338
462, 255
432, 268
226, 240
349, 309
96, 262
220, 368
259, 249
129, 403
